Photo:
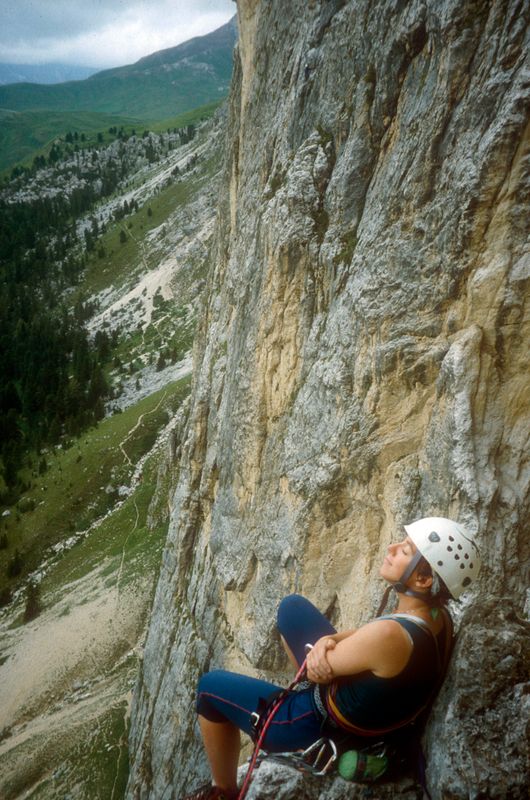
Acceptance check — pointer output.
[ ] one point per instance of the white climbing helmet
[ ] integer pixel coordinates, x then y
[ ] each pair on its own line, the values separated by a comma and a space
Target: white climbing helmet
449, 549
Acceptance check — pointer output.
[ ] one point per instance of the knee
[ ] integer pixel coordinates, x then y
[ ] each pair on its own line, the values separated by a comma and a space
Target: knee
288, 609
208, 690
209, 681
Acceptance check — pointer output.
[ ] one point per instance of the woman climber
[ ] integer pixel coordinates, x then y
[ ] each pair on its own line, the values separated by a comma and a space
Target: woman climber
361, 683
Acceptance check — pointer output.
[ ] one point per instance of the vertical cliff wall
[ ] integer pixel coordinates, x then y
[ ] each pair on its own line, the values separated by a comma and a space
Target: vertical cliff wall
362, 361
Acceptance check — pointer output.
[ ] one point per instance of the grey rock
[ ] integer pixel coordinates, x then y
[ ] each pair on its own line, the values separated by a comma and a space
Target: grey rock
272, 781
360, 362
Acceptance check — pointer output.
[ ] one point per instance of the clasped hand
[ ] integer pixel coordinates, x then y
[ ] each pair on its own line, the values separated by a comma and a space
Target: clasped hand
318, 668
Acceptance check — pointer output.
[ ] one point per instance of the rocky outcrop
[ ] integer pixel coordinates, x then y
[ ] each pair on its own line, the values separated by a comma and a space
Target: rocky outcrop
361, 362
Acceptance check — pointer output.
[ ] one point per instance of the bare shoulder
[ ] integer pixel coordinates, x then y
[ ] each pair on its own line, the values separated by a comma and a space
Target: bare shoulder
391, 645
384, 636
383, 630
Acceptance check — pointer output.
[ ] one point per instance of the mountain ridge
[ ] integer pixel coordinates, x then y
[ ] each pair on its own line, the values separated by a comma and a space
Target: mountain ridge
223, 35
118, 90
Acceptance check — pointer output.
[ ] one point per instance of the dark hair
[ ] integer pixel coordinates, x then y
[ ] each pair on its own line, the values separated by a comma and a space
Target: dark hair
440, 594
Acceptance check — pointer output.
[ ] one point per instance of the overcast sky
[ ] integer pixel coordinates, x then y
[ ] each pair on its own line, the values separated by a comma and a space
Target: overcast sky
102, 33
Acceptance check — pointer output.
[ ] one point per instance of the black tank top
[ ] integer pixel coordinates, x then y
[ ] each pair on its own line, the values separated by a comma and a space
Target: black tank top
371, 702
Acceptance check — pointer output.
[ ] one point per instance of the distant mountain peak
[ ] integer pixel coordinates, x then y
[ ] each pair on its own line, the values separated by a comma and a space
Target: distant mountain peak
186, 52
43, 73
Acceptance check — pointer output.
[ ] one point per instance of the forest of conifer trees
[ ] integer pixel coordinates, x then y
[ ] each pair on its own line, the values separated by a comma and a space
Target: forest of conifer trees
52, 373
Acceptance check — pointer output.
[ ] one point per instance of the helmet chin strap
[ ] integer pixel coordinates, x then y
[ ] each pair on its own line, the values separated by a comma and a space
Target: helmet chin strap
384, 599
401, 585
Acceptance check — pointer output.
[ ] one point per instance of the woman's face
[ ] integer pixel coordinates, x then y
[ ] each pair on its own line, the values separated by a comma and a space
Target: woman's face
397, 559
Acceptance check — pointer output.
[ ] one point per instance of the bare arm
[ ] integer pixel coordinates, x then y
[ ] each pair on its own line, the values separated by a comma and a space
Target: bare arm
382, 647
318, 668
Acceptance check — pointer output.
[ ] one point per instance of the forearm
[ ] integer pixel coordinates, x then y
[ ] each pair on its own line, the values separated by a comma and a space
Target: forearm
318, 666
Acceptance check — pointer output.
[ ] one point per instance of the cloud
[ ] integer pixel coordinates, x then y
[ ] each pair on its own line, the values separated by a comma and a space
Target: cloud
103, 33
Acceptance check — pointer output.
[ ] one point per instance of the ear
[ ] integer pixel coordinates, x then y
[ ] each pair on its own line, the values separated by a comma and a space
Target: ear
422, 582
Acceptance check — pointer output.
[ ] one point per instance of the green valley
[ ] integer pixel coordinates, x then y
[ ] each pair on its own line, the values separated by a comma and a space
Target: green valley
24, 134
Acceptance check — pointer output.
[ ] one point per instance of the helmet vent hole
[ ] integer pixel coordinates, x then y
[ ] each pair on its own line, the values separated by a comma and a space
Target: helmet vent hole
451, 538
457, 557
471, 564
440, 563
466, 555
433, 537
449, 548
466, 581
459, 546
462, 566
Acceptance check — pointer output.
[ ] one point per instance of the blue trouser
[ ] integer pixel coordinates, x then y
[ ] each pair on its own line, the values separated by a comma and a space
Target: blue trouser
229, 697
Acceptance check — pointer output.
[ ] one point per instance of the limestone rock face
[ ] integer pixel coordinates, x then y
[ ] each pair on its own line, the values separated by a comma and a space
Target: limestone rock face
362, 361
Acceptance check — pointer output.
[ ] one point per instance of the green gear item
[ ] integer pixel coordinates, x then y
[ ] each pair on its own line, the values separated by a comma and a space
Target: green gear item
357, 766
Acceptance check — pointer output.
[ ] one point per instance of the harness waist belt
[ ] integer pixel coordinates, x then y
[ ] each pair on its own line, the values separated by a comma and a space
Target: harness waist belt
324, 701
